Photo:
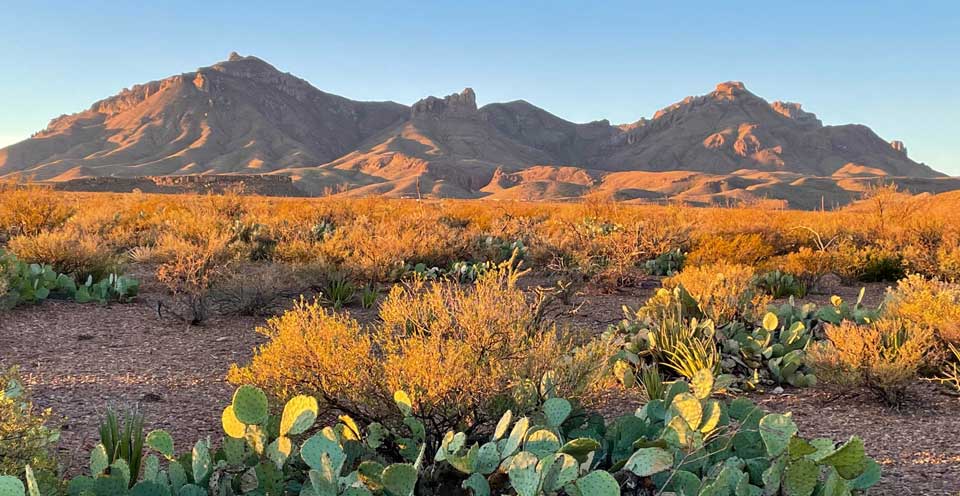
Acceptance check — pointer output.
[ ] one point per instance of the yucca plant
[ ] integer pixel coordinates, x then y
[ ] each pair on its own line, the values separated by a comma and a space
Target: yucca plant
369, 296
340, 291
123, 441
652, 382
691, 355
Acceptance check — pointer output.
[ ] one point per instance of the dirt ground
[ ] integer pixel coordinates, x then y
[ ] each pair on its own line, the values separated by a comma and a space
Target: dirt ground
79, 359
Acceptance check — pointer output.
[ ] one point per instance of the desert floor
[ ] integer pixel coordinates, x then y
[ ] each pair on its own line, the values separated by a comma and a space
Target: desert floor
79, 359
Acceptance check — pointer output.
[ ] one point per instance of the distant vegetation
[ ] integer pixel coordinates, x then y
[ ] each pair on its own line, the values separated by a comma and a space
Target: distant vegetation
464, 384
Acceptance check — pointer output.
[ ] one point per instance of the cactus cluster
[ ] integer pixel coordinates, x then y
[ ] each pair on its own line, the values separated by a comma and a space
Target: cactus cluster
666, 264
32, 283
538, 456
685, 442
771, 351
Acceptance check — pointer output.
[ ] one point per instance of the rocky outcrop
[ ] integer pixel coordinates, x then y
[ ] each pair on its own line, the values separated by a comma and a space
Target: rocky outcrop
899, 146
463, 104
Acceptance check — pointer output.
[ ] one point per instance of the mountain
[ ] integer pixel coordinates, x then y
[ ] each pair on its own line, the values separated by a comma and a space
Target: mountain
243, 116
238, 116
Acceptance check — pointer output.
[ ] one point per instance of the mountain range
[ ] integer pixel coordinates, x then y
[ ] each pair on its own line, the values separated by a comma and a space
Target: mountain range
244, 117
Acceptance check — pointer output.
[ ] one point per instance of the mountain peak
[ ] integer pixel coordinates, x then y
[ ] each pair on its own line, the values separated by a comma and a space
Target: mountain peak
731, 90
461, 104
234, 56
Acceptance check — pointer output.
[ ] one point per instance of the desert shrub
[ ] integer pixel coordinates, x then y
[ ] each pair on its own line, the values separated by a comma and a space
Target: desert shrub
457, 350
192, 269
81, 257
26, 433
808, 265
742, 249
253, 289
877, 265
28, 211
927, 303
723, 291
884, 356
950, 372
948, 263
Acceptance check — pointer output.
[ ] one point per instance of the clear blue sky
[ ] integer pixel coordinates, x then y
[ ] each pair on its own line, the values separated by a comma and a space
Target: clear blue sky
894, 66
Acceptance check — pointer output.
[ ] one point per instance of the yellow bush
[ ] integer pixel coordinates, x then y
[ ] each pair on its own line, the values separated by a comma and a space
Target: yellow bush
807, 264
30, 210
462, 354
744, 249
68, 252
25, 434
927, 303
884, 356
722, 290
948, 263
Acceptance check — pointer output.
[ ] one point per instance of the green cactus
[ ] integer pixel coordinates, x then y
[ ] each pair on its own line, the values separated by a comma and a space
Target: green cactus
11, 486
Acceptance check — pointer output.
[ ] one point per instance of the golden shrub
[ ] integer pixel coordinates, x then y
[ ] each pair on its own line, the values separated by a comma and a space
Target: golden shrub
927, 303
807, 264
743, 249
723, 291
948, 263
26, 436
315, 351
30, 210
461, 353
68, 252
884, 356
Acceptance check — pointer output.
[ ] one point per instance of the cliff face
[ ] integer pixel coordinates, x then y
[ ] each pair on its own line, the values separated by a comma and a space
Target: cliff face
243, 116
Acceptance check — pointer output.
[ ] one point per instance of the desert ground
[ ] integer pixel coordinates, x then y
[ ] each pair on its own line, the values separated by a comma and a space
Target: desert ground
80, 358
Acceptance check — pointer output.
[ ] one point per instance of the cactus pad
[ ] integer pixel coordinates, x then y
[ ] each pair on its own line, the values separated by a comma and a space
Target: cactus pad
299, 414
598, 483
11, 486
523, 474
648, 461
400, 479
232, 426
503, 425
556, 410
850, 460
542, 442
477, 485
160, 441
800, 478
776, 431
250, 405
580, 448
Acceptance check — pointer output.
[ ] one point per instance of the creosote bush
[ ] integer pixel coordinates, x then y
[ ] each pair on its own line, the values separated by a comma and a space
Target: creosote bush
67, 252
462, 352
884, 356
191, 270
723, 291
927, 303
27, 435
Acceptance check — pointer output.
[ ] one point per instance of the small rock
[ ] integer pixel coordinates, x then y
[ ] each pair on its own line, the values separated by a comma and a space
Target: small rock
778, 390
